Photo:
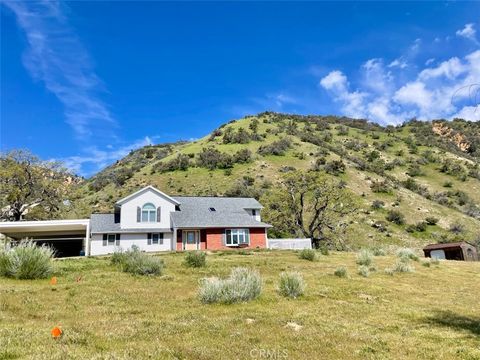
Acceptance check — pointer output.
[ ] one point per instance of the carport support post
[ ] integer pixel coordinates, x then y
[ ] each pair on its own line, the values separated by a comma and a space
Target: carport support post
87, 240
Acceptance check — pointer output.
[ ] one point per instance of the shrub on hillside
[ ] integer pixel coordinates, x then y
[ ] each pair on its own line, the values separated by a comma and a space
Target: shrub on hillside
241, 136
242, 285
26, 261
307, 254
341, 272
212, 158
138, 263
364, 257
403, 267
275, 148
378, 251
407, 254
377, 204
395, 217
180, 162
430, 220
380, 187
291, 284
195, 259
456, 228
364, 271
335, 167
242, 156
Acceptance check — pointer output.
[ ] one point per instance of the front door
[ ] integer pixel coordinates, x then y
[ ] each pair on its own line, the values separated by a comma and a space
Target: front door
191, 239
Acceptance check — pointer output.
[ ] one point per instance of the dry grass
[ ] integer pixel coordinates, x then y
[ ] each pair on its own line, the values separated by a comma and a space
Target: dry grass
430, 314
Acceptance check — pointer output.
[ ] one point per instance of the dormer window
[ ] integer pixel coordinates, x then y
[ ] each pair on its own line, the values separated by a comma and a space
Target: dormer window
149, 213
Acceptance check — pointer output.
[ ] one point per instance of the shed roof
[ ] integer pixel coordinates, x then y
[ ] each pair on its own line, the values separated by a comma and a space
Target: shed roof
447, 245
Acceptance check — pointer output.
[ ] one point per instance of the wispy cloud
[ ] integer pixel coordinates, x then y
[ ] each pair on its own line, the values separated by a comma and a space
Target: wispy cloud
56, 57
468, 32
94, 159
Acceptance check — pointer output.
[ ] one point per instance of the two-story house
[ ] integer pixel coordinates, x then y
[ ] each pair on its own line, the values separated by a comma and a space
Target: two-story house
153, 221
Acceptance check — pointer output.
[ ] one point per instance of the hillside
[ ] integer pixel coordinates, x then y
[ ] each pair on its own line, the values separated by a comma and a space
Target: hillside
422, 169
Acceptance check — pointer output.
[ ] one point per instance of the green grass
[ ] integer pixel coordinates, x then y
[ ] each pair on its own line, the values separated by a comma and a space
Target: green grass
431, 313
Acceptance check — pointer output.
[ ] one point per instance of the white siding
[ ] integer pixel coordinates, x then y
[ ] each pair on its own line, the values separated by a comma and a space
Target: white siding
256, 216
128, 217
126, 242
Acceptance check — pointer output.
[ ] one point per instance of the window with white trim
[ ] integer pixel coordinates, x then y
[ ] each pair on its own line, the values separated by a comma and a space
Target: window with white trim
235, 237
149, 213
111, 239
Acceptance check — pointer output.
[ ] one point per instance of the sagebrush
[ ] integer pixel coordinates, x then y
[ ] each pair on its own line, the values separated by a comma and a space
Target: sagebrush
242, 285
291, 284
26, 261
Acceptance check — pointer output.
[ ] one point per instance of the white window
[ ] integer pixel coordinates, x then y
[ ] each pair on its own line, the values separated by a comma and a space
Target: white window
149, 213
111, 239
235, 237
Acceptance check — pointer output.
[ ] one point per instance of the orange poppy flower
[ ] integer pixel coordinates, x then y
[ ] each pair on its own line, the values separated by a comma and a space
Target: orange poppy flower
56, 332
53, 281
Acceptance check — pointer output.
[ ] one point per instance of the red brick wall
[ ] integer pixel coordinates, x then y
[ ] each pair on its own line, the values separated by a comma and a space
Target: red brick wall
214, 239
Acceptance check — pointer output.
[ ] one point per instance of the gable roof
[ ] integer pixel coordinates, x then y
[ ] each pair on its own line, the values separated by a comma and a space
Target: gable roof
229, 212
105, 223
141, 191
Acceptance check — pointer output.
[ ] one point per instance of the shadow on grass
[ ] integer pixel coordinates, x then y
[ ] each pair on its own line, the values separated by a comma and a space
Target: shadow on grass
455, 321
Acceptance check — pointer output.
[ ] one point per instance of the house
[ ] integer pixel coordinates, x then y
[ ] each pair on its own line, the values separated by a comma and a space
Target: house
153, 221
451, 251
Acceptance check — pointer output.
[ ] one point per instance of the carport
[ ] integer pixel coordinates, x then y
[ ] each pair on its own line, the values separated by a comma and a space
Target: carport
67, 237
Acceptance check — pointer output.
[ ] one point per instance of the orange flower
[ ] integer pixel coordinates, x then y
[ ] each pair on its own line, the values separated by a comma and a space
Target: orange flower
53, 281
56, 332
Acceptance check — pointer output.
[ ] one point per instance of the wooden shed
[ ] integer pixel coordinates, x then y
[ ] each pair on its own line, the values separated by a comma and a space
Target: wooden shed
452, 251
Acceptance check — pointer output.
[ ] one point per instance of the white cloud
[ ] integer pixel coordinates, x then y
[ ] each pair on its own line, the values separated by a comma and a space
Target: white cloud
450, 69
450, 89
96, 159
400, 63
429, 61
56, 57
468, 32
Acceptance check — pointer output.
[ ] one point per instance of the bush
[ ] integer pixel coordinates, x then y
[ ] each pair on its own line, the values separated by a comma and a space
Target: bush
242, 285
291, 284
456, 228
135, 262
212, 158
341, 272
377, 204
195, 259
364, 271
324, 250
407, 254
380, 187
431, 220
181, 162
242, 156
26, 261
275, 148
395, 217
307, 254
118, 257
403, 267
378, 251
364, 257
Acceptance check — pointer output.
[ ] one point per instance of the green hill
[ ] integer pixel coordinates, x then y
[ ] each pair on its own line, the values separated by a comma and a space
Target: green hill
424, 170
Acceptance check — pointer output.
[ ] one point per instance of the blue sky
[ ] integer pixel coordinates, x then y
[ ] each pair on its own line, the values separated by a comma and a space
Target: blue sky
86, 82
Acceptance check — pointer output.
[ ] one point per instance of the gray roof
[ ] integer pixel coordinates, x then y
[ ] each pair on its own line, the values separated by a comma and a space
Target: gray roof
230, 212
103, 223
194, 213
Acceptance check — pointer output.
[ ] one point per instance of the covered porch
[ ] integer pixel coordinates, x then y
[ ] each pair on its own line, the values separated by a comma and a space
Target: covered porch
67, 237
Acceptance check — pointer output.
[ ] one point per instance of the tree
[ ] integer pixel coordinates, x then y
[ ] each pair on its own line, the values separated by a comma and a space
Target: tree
312, 206
31, 188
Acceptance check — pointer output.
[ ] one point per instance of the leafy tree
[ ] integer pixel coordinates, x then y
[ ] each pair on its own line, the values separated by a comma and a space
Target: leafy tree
31, 188
312, 206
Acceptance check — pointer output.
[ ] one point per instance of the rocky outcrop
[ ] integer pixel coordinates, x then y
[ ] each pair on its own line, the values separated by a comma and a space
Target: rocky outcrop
448, 133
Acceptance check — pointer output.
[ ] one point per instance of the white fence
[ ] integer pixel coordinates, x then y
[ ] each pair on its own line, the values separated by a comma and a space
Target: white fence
286, 244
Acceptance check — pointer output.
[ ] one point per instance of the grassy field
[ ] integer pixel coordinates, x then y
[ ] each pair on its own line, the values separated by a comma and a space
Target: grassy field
433, 313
